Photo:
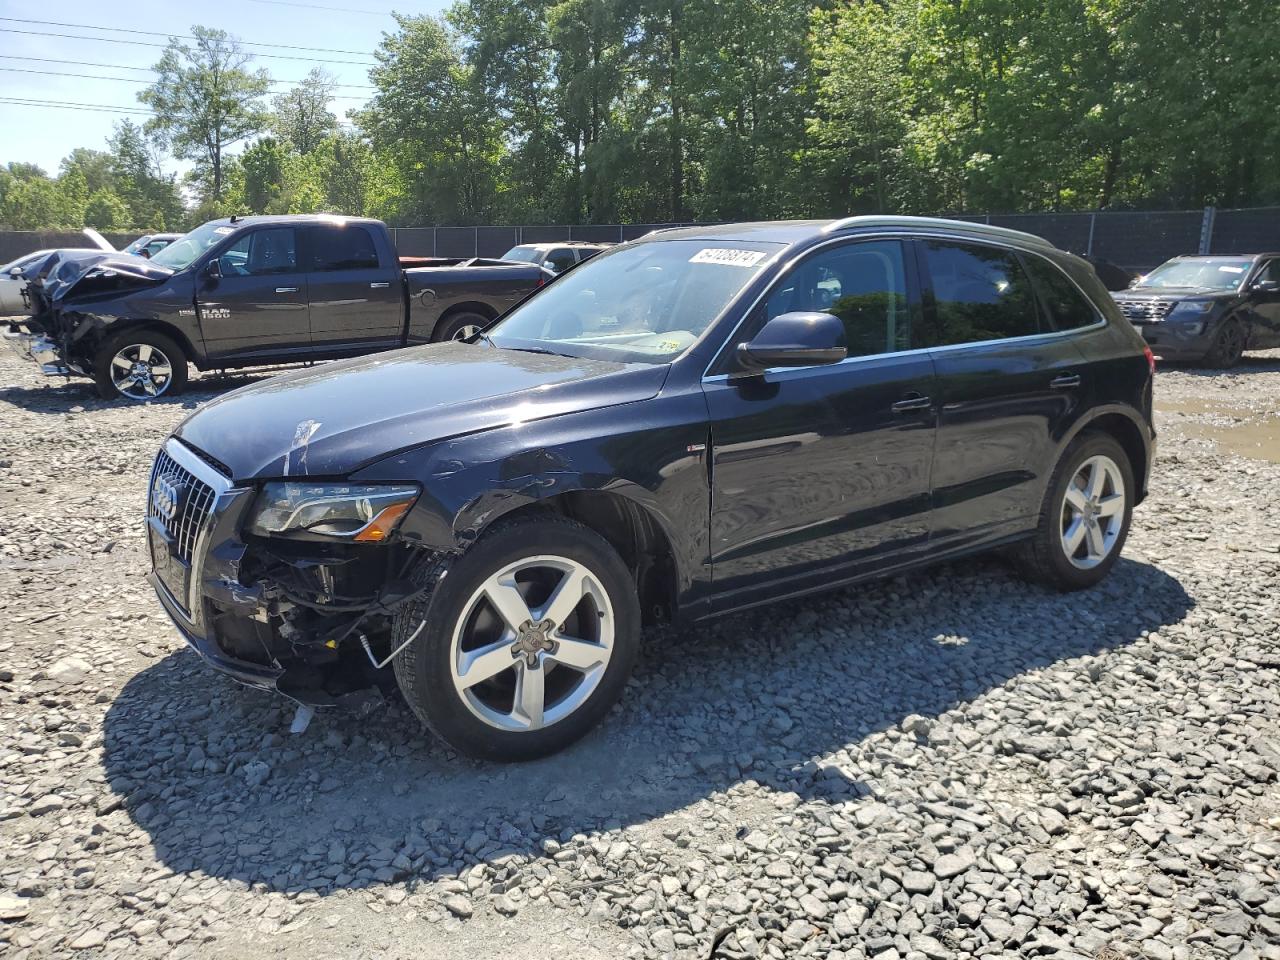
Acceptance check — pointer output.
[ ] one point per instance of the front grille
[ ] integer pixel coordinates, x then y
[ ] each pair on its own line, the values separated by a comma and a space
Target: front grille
191, 499
1145, 311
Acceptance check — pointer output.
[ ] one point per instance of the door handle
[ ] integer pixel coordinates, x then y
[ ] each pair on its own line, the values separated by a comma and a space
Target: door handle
379, 286
913, 402
286, 289
1065, 382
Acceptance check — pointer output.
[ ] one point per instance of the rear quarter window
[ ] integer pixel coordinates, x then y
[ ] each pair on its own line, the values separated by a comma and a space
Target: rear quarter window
1066, 308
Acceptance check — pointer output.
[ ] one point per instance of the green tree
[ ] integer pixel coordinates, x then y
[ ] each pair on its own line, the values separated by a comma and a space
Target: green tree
205, 98
301, 117
435, 120
262, 167
106, 211
152, 196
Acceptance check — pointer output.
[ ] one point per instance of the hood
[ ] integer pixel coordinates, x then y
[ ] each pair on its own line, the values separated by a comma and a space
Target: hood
332, 420
76, 273
99, 241
1171, 293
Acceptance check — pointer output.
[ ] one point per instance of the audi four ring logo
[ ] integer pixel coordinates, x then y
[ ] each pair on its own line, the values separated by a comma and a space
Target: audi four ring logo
165, 497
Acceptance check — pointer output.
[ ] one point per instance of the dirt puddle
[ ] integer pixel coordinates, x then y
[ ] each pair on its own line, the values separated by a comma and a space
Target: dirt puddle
1248, 434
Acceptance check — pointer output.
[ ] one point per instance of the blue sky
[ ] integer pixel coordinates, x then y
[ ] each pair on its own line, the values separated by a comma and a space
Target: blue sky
44, 134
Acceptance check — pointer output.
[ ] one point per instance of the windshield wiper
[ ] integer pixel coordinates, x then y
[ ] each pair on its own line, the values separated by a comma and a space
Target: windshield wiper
549, 353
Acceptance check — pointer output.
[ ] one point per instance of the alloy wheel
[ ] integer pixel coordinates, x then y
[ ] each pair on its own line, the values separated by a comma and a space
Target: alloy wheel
1093, 509
532, 643
140, 371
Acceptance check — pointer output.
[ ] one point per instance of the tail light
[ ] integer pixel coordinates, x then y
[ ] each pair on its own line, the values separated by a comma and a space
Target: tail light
1151, 359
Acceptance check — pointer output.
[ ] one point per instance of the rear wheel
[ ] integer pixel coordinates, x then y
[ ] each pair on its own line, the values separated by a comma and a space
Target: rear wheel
1085, 517
459, 326
1228, 346
525, 645
139, 365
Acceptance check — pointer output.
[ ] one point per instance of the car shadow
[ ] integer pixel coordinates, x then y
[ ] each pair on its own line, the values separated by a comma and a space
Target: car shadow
60, 396
778, 696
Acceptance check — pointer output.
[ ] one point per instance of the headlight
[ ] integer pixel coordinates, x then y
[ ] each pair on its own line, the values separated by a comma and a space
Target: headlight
347, 511
1185, 309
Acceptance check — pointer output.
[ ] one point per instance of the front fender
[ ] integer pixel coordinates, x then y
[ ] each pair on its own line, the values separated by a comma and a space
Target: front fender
648, 453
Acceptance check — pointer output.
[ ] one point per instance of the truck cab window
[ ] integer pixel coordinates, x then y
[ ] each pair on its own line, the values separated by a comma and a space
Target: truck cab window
260, 253
560, 259
340, 248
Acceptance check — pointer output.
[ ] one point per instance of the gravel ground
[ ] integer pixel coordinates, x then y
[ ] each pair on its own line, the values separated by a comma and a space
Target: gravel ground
949, 764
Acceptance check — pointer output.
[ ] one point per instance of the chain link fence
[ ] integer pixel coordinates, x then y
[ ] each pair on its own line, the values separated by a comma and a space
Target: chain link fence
1136, 240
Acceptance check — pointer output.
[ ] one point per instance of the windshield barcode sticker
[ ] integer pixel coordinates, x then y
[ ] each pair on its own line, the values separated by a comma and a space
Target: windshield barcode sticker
732, 258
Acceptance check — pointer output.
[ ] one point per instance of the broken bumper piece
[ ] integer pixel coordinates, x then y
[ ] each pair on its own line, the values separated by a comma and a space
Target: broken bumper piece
44, 352
265, 614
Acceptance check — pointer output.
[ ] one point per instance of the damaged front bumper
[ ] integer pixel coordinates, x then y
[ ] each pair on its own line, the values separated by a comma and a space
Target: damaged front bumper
219, 591
43, 351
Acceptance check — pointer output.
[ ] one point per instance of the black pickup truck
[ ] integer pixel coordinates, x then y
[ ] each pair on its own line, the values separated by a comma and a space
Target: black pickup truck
249, 291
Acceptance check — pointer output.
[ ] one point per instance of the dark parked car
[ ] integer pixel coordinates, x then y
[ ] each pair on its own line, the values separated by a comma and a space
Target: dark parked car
1112, 275
1208, 309
149, 244
256, 290
691, 424
556, 257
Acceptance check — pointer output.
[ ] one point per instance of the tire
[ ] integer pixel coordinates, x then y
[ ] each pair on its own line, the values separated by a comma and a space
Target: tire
1228, 346
145, 347
521, 663
1045, 558
458, 326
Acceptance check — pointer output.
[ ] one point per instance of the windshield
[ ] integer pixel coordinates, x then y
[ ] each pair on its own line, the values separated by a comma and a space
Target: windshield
1213, 273
523, 254
136, 245
183, 252
646, 303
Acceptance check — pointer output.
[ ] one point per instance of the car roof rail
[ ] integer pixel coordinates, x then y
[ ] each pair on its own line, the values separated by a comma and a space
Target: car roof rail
986, 229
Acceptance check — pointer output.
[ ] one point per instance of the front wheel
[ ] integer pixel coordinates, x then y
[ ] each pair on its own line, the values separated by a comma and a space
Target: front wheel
139, 365
1085, 517
525, 645
1228, 346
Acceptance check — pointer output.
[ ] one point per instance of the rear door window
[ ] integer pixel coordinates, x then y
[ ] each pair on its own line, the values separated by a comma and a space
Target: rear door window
1066, 307
980, 293
340, 248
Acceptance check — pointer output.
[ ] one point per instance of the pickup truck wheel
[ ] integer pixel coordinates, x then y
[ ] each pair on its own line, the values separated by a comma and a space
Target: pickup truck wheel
140, 365
526, 643
459, 326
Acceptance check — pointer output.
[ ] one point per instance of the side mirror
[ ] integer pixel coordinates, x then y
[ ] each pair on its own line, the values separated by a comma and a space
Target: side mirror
213, 269
15, 272
802, 339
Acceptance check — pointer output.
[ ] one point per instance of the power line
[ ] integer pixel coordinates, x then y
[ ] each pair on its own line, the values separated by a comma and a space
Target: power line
70, 105
99, 76
314, 6
124, 66
142, 42
178, 36
76, 63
